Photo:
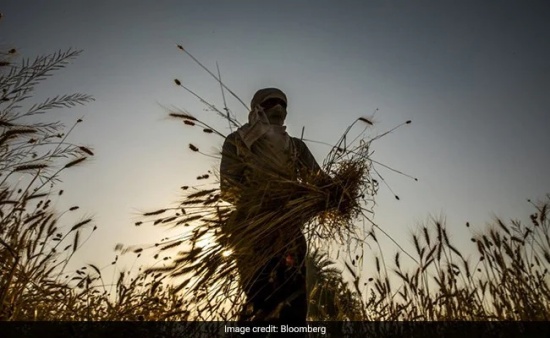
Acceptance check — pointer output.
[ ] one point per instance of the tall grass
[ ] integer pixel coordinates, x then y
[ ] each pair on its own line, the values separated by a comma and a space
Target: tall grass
506, 279
34, 246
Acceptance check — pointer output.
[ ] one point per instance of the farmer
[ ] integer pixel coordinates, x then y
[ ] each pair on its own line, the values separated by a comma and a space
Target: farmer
256, 154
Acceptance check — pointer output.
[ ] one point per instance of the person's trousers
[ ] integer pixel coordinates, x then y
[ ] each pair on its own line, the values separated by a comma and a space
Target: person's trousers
273, 276
278, 292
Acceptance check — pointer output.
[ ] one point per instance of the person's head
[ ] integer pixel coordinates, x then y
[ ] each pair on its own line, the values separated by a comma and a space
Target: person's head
273, 101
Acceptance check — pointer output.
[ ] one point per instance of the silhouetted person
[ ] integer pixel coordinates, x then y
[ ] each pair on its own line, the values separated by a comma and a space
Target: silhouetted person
259, 147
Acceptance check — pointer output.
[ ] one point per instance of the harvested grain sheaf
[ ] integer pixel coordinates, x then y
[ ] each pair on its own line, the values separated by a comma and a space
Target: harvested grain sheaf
323, 205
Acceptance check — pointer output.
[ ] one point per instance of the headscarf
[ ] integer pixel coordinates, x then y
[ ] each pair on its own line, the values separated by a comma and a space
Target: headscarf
266, 93
271, 141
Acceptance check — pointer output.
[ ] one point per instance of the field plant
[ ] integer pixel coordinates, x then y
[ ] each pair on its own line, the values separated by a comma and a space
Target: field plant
507, 280
35, 247
35, 244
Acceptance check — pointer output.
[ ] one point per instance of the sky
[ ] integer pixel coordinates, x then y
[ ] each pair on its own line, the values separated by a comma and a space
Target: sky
472, 76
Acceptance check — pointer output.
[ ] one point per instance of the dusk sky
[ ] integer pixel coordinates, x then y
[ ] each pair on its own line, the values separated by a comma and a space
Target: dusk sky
473, 76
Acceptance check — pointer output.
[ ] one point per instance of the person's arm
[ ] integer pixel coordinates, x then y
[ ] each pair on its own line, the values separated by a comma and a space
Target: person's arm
308, 166
322, 180
232, 170
305, 158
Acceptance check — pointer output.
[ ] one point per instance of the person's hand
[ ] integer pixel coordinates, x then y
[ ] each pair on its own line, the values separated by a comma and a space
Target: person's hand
258, 115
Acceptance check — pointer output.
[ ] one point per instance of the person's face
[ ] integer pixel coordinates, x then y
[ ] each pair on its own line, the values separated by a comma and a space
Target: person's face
275, 110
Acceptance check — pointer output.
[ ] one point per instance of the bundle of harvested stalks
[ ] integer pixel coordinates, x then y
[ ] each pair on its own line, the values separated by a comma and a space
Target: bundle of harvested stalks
346, 198
266, 221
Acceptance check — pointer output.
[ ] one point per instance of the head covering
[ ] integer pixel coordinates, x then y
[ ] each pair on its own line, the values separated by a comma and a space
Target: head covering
272, 142
266, 93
